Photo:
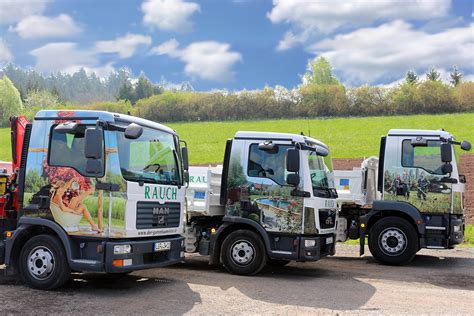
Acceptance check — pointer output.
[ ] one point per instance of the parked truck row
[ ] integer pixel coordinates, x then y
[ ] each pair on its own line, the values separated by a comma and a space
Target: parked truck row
104, 192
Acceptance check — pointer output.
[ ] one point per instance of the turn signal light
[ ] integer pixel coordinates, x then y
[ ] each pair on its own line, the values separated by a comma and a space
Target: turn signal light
118, 263
9, 234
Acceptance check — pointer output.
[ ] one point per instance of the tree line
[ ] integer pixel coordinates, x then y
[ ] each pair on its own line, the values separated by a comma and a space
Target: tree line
320, 94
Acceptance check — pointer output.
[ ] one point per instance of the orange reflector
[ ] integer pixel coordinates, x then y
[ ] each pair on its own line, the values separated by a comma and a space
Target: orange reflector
118, 263
213, 230
9, 234
362, 225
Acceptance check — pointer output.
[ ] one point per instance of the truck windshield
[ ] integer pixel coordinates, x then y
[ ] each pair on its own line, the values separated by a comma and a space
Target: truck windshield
320, 169
151, 158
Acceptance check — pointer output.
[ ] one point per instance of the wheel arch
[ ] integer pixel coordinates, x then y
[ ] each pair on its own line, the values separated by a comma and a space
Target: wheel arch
29, 227
230, 225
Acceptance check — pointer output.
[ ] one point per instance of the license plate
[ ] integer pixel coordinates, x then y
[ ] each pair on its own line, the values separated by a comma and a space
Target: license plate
162, 246
329, 240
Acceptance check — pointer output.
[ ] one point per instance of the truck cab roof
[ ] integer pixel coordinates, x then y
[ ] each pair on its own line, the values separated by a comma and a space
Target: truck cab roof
278, 136
419, 132
102, 115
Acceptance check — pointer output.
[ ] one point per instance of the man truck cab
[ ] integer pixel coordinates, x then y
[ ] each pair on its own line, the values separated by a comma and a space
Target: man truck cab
273, 200
91, 191
409, 198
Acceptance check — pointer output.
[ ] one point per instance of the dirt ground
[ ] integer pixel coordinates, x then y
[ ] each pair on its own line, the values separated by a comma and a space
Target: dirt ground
437, 282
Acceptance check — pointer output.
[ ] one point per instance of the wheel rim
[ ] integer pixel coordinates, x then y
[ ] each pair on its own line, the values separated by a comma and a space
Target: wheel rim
40, 263
393, 241
242, 252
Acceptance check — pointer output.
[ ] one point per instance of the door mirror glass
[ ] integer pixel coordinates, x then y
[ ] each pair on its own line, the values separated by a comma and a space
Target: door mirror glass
465, 145
446, 152
184, 154
93, 143
293, 179
293, 160
133, 131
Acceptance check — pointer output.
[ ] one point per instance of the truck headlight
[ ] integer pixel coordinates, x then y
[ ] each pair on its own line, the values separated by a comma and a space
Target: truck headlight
457, 228
309, 243
122, 249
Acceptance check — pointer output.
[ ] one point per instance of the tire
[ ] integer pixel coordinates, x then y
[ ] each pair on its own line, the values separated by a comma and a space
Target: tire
393, 241
43, 263
277, 262
243, 252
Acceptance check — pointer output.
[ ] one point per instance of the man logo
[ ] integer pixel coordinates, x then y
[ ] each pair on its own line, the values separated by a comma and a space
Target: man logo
161, 211
159, 215
329, 221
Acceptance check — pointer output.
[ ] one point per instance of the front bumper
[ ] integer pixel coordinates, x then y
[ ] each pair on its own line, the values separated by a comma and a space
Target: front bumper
322, 247
143, 255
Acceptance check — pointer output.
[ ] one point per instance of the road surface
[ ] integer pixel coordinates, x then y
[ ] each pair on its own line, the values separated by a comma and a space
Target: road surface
436, 282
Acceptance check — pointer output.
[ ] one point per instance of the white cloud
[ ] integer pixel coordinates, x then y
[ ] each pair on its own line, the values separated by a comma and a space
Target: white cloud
169, 15
310, 18
207, 60
5, 53
38, 26
125, 46
12, 11
167, 48
64, 56
389, 50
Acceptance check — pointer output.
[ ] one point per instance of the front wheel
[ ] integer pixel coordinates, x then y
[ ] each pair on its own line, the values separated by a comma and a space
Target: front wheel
393, 241
243, 252
43, 263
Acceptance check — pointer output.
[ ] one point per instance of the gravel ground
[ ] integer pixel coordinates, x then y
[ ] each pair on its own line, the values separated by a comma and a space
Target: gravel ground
437, 282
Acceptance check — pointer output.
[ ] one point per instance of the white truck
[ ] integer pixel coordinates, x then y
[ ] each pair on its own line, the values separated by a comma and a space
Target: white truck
272, 201
409, 198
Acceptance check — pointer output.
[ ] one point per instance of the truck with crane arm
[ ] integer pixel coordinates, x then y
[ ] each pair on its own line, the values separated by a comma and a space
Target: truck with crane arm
410, 197
91, 191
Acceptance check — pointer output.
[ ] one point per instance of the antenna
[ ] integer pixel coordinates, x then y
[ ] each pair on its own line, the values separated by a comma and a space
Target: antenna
309, 130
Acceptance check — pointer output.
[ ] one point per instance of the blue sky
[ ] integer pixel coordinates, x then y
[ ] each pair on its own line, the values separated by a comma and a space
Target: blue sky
240, 44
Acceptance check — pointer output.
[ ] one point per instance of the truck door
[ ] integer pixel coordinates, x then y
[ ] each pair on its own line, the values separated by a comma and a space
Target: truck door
257, 187
413, 174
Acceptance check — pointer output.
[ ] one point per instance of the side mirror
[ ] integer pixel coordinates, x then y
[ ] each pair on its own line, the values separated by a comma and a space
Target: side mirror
94, 140
68, 127
184, 154
133, 131
447, 168
293, 160
293, 179
465, 145
446, 152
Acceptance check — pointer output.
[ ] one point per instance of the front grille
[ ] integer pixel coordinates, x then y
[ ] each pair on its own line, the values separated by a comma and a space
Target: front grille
151, 215
327, 218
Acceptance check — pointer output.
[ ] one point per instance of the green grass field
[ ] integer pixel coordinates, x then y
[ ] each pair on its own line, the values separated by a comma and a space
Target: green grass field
347, 137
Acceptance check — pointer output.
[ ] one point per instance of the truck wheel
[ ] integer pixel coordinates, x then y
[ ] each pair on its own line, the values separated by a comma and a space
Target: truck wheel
243, 252
43, 263
393, 241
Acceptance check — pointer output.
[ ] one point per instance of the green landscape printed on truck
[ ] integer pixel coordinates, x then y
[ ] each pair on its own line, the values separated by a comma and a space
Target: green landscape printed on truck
414, 175
261, 199
75, 203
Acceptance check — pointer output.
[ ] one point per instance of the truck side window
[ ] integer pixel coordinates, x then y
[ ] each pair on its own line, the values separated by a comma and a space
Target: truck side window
426, 157
67, 150
271, 165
